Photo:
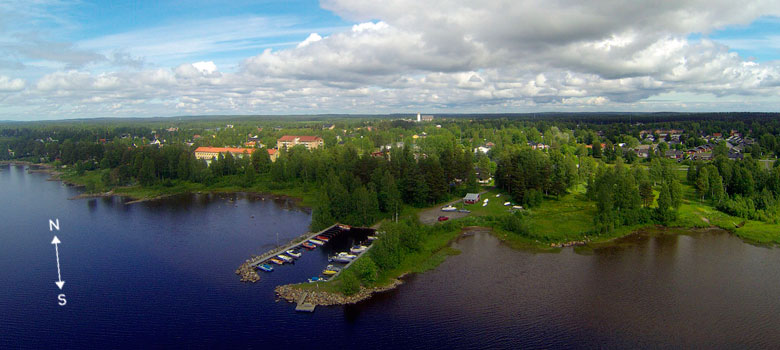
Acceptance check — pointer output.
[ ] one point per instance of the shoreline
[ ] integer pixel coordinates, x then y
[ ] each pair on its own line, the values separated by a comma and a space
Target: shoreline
291, 293
56, 175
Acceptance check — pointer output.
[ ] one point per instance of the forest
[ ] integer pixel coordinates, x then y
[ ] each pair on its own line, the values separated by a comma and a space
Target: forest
372, 168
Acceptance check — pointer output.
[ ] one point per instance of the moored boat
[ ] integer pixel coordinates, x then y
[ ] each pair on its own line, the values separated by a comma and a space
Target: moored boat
285, 258
316, 279
276, 261
266, 267
346, 255
449, 208
344, 227
331, 270
372, 238
293, 253
316, 241
308, 245
358, 249
323, 238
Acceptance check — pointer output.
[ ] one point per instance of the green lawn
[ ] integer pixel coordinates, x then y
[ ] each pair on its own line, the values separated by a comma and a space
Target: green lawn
495, 204
566, 219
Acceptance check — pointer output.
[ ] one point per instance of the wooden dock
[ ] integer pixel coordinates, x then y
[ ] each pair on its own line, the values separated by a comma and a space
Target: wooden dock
292, 244
303, 306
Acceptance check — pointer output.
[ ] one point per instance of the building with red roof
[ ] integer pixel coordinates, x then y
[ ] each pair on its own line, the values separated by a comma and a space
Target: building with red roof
288, 141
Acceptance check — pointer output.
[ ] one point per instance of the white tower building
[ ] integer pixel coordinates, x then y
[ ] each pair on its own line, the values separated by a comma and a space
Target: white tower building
418, 118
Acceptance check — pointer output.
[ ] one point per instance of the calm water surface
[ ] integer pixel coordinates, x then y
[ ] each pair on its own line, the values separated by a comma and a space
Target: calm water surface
160, 274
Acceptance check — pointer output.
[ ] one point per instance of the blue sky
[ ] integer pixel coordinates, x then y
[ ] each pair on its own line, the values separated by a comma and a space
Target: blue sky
74, 59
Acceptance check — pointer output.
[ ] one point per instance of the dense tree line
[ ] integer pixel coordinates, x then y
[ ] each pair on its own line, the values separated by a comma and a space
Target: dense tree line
529, 174
624, 196
744, 188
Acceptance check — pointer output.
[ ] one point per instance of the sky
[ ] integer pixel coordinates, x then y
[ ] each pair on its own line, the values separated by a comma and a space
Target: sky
64, 59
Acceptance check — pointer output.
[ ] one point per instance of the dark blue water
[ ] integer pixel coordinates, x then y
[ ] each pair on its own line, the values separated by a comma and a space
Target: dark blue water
161, 274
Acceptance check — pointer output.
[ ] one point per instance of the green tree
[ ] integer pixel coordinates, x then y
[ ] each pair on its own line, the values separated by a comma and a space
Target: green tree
702, 183
147, 175
646, 192
350, 284
249, 175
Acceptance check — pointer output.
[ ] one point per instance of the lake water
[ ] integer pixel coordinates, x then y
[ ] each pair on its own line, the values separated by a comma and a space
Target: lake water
161, 274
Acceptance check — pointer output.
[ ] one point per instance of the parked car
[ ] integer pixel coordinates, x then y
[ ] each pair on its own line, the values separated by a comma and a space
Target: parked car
443, 218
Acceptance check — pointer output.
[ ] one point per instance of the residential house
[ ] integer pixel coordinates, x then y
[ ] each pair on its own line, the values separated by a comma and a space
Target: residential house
209, 153
289, 141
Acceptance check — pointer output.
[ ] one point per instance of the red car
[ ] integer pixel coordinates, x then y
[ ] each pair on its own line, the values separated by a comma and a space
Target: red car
443, 218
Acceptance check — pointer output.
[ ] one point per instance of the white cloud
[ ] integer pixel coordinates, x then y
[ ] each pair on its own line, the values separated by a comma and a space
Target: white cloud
11, 85
406, 55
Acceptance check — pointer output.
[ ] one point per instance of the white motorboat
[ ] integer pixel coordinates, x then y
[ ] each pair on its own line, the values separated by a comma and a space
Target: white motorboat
316, 241
285, 258
358, 249
449, 208
293, 253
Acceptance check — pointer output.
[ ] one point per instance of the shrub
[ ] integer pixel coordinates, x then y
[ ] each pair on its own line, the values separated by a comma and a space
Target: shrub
349, 283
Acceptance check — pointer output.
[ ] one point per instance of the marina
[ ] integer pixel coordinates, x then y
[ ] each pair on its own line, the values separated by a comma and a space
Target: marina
338, 246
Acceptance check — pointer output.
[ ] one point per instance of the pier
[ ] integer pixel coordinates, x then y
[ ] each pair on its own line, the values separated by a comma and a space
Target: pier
303, 306
247, 270
292, 244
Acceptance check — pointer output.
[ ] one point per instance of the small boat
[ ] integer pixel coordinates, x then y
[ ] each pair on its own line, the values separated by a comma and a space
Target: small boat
331, 270
316, 279
464, 211
346, 255
517, 207
344, 227
308, 245
372, 238
506, 204
293, 253
323, 238
285, 258
498, 195
343, 257
339, 259
276, 261
358, 249
484, 204
316, 241
266, 267
449, 208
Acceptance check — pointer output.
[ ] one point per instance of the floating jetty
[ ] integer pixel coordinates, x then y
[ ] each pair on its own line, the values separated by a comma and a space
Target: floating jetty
303, 306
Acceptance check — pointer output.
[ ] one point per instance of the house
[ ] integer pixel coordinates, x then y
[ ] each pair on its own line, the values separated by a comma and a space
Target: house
643, 151
538, 145
209, 153
289, 141
273, 154
388, 146
481, 149
427, 118
471, 198
674, 154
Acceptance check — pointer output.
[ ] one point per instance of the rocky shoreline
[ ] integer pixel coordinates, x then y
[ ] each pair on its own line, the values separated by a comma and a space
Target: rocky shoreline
291, 294
247, 272
568, 244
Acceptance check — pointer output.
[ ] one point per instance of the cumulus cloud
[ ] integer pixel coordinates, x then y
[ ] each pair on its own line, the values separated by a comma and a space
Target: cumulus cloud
11, 85
503, 55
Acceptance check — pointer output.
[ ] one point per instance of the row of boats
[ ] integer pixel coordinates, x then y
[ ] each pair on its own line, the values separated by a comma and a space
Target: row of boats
289, 256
